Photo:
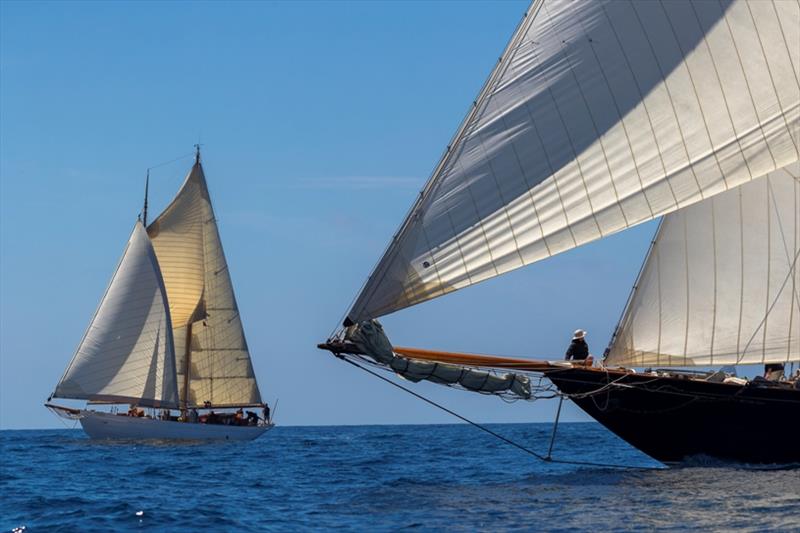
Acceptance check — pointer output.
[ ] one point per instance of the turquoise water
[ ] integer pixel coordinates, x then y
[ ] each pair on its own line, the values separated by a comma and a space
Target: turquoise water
378, 478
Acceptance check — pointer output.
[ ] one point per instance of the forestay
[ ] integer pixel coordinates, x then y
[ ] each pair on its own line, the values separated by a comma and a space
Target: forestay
188, 246
721, 283
598, 116
127, 352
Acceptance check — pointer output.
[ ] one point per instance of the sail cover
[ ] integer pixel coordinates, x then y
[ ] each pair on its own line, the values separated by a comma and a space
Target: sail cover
127, 354
200, 292
721, 284
599, 115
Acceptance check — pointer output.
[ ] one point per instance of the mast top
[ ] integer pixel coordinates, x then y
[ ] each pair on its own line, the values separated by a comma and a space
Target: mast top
197, 154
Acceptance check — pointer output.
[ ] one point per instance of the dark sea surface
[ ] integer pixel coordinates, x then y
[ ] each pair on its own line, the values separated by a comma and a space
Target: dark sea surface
379, 478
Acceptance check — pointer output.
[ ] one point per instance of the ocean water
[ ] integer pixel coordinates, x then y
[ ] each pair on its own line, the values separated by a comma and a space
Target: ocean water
379, 478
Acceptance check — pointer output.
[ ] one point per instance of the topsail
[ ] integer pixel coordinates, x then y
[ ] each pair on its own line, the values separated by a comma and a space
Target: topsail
598, 116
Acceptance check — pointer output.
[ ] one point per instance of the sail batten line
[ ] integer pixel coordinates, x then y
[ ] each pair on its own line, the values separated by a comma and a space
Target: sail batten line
734, 304
127, 350
503, 196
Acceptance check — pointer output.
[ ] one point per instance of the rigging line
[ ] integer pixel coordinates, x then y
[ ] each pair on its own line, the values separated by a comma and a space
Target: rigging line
789, 276
184, 156
490, 432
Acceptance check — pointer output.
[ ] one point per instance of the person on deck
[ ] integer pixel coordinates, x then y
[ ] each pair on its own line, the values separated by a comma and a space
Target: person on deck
266, 413
238, 417
193, 416
578, 349
252, 418
774, 371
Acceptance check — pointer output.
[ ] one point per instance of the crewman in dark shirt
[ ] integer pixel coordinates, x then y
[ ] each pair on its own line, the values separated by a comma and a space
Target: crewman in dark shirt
578, 349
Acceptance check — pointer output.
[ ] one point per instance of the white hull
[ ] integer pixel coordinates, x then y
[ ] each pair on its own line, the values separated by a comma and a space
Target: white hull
110, 426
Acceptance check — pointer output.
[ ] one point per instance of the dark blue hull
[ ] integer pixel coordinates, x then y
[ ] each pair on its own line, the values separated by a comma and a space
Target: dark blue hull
672, 418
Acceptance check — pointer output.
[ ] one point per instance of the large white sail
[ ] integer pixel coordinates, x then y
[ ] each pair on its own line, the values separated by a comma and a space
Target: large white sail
127, 353
720, 286
200, 292
599, 115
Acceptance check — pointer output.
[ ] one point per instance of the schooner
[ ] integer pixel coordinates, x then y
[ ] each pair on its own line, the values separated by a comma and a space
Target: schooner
167, 335
598, 116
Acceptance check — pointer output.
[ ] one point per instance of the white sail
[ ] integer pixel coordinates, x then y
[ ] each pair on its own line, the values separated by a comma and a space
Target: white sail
127, 353
598, 116
200, 292
720, 286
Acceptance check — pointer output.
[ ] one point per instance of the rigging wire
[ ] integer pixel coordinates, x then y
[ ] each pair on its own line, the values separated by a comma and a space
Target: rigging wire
184, 156
492, 433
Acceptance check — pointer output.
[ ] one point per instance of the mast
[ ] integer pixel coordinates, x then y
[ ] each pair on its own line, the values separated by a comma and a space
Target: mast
197, 154
187, 364
146, 187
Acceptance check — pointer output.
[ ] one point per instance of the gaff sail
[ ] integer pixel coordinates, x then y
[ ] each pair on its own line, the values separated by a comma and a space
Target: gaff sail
216, 366
598, 116
721, 284
127, 352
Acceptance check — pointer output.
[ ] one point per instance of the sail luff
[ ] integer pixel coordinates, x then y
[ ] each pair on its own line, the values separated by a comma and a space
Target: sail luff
545, 160
392, 249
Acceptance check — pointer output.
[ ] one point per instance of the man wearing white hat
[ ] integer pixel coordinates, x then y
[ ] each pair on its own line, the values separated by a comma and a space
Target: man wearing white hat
578, 349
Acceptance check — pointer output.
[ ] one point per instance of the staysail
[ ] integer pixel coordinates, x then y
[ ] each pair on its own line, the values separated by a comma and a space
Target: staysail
598, 116
216, 366
721, 285
127, 352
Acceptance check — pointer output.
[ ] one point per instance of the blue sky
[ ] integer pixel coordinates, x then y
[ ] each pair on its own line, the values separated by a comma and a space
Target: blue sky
320, 122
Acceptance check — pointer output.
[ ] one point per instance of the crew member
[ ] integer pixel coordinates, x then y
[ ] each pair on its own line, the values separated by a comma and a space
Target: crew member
266, 413
578, 349
773, 371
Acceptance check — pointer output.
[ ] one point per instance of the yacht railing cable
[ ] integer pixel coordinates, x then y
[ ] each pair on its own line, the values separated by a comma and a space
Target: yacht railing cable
492, 433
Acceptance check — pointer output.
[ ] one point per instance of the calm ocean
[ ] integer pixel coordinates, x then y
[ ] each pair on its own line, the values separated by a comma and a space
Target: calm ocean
377, 478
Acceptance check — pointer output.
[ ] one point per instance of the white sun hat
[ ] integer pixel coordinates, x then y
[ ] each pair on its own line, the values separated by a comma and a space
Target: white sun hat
579, 334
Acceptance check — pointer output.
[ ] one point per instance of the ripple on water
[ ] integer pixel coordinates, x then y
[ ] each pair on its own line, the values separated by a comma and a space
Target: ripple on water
378, 478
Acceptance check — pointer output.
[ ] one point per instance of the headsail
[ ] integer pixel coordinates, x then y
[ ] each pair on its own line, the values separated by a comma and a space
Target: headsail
187, 243
721, 284
599, 115
127, 352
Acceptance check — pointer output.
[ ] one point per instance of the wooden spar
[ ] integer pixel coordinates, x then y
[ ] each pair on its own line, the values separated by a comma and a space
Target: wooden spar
466, 359
62, 408
187, 365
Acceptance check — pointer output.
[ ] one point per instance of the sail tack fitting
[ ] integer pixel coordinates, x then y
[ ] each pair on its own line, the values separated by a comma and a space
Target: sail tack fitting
370, 339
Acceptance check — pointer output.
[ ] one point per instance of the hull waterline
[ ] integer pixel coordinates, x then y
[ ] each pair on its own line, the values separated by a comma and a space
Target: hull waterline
110, 426
673, 418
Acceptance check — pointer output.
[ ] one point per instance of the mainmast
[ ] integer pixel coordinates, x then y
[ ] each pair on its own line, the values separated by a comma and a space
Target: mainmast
187, 366
146, 186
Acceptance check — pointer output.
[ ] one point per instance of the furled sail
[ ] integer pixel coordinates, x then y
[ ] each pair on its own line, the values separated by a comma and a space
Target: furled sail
200, 292
370, 340
721, 284
599, 115
127, 353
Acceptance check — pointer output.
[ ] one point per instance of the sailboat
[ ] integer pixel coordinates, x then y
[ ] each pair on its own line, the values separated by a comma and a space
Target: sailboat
167, 336
598, 116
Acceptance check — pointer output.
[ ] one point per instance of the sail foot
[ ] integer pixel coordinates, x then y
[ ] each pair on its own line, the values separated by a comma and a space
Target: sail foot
369, 339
